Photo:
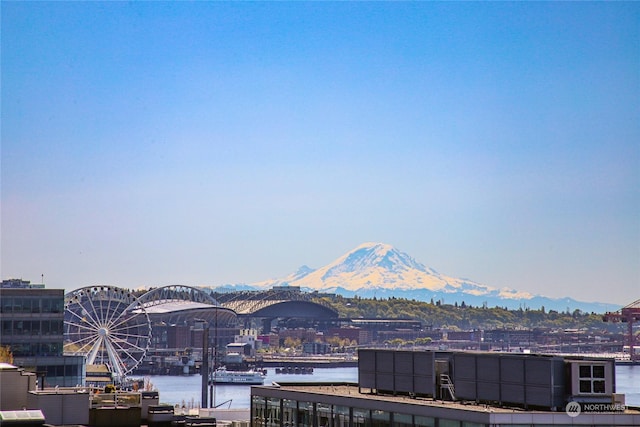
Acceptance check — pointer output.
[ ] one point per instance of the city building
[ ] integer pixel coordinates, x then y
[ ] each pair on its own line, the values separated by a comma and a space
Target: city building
316, 348
32, 327
447, 389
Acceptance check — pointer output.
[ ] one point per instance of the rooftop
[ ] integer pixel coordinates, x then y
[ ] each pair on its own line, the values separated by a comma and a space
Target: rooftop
351, 391
7, 366
504, 414
171, 306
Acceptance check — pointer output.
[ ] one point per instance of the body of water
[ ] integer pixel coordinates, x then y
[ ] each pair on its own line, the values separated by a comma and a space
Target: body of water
628, 383
187, 390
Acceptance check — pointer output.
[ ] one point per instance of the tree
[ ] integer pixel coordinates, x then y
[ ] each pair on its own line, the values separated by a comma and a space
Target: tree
6, 355
292, 343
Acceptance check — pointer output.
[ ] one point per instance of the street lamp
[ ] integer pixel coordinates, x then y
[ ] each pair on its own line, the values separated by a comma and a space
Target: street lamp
204, 370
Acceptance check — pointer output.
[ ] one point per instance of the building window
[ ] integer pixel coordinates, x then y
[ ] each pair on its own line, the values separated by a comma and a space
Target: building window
6, 328
7, 304
361, 418
380, 418
257, 408
273, 412
402, 420
592, 379
35, 306
341, 416
289, 413
305, 414
323, 413
420, 421
35, 327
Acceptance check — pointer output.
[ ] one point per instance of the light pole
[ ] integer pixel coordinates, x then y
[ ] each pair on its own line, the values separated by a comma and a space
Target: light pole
215, 357
205, 364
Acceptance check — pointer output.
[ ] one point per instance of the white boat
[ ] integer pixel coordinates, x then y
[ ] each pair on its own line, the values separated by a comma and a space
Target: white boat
251, 377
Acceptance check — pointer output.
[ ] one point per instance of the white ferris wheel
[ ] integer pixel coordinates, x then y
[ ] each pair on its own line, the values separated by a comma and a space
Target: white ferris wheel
109, 325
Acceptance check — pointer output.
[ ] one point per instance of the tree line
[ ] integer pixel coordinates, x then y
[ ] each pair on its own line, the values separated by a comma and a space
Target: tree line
463, 316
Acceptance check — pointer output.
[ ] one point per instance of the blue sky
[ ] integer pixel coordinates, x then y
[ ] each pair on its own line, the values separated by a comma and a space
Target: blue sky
203, 143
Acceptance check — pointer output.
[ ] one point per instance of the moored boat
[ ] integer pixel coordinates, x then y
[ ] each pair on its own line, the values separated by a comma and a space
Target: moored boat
250, 377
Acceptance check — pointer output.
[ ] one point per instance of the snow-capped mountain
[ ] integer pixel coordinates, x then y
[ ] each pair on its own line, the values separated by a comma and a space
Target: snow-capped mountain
378, 269
377, 266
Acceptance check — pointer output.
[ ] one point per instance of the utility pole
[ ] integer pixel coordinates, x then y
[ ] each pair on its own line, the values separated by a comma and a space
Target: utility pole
204, 370
212, 390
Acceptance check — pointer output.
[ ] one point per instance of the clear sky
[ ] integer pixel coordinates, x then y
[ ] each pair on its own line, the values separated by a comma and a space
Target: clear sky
204, 143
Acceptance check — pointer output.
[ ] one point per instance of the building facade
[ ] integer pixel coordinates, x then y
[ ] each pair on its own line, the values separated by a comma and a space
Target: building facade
31, 319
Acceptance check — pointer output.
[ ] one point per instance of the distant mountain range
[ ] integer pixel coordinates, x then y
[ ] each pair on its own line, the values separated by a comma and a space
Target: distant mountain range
380, 270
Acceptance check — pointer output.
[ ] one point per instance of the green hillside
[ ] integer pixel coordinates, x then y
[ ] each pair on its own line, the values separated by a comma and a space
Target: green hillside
462, 316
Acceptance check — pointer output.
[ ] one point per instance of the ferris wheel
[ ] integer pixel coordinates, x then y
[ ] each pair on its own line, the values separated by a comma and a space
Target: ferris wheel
109, 325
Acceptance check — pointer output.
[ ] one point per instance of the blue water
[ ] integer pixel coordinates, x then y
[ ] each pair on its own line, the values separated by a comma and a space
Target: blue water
628, 383
187, 390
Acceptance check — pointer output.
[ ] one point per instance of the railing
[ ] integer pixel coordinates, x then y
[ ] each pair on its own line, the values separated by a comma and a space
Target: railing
446, 384
119, 398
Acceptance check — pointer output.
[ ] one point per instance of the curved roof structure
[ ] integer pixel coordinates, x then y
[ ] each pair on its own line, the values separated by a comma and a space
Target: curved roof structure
277, 302
179, 304
176, 304
301, 309
176, 293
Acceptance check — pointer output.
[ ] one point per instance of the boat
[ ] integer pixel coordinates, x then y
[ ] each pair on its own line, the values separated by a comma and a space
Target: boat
250, 377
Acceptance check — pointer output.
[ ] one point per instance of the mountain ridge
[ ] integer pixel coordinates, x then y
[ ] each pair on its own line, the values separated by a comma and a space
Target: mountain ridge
380, 270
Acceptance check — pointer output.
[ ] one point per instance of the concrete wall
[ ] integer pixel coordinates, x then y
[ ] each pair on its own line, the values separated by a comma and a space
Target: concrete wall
15, 384
62, 407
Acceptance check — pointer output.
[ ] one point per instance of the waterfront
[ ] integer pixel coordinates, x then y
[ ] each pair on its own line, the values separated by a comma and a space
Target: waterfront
628, 383
178, 390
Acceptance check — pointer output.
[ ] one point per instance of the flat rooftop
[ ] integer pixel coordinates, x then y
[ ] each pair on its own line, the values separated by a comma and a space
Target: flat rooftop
351, 391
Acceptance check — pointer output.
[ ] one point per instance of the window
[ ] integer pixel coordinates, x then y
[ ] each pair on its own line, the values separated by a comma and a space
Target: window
424, 421
35, 327
273, 412
35, 306
323, 413
57, 306
380, 418
6, 327
305, 414
7, 304
18, 327
257, 410
592, 379
361, 418
341, 416
402, 420
25, 305
289, 412
70, 370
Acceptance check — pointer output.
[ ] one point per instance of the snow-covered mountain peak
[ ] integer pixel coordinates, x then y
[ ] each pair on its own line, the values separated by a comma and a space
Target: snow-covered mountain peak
375, 266
380, 269
370, 256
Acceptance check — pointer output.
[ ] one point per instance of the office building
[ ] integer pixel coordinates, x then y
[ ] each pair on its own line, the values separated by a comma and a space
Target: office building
31, 319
